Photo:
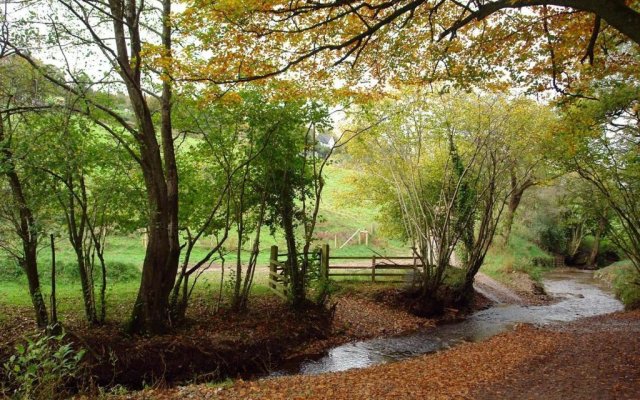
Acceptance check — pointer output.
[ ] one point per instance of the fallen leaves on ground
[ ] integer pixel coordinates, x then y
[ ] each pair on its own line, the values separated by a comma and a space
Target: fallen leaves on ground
592, 358
223, 343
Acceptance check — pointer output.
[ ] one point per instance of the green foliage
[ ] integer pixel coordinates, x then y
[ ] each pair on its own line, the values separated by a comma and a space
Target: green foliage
10, 271
42, 368
551, 236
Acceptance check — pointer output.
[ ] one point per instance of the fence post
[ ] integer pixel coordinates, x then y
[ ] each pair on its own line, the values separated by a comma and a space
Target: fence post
324, 261
373, 269
273, 259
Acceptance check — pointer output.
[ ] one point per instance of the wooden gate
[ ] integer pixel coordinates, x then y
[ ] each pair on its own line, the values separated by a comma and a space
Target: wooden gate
278, 279
377, 268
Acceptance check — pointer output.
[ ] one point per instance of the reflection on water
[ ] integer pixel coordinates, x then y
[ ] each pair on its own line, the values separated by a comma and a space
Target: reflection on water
579, 294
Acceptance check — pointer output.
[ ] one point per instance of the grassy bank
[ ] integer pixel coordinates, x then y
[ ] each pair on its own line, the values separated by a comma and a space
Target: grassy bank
624, 280
520, 255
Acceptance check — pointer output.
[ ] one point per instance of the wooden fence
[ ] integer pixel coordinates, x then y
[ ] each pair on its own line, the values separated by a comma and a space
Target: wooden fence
376, 268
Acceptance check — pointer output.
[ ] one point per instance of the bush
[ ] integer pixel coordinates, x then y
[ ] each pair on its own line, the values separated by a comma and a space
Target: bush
552, 238
42, 369
123, 272
10, 271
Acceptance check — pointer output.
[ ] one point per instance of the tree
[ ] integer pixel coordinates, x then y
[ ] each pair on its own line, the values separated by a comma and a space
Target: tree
115, 32
293, 184
19, 93
416, 40
82, 163
600, 139
524, 136
440, 165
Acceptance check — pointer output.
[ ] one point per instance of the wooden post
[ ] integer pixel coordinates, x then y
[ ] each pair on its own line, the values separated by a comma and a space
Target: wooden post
54, 306
273, 265
366, 238
360, 237
335, 240
373, 269
324, 261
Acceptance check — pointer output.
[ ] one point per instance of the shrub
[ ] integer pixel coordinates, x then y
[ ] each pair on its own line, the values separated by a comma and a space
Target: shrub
42, 368
10, 271
122, 272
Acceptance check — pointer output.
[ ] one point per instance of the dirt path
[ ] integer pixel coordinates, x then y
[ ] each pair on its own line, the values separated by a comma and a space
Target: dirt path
595, 358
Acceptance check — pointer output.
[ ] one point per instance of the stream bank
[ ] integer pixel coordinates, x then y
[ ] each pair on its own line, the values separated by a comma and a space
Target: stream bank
593, 358
566, 351
216, 345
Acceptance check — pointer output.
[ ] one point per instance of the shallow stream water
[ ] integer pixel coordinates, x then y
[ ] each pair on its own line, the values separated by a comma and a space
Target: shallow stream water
577, 293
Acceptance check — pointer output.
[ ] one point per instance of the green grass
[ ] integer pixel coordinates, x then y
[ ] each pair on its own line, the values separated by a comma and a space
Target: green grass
120, 296
520, 255
625, 281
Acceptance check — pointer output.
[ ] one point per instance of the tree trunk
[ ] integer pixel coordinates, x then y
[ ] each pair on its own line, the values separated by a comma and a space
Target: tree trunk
596, 243
151, 309
30, 267
514, 201
77, 232
295, 275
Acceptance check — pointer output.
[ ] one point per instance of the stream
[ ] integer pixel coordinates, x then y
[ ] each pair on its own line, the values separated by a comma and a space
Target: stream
577, 295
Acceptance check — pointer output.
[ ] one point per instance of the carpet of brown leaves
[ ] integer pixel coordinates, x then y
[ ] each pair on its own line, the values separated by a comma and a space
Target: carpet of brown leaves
596, 358
214, 345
